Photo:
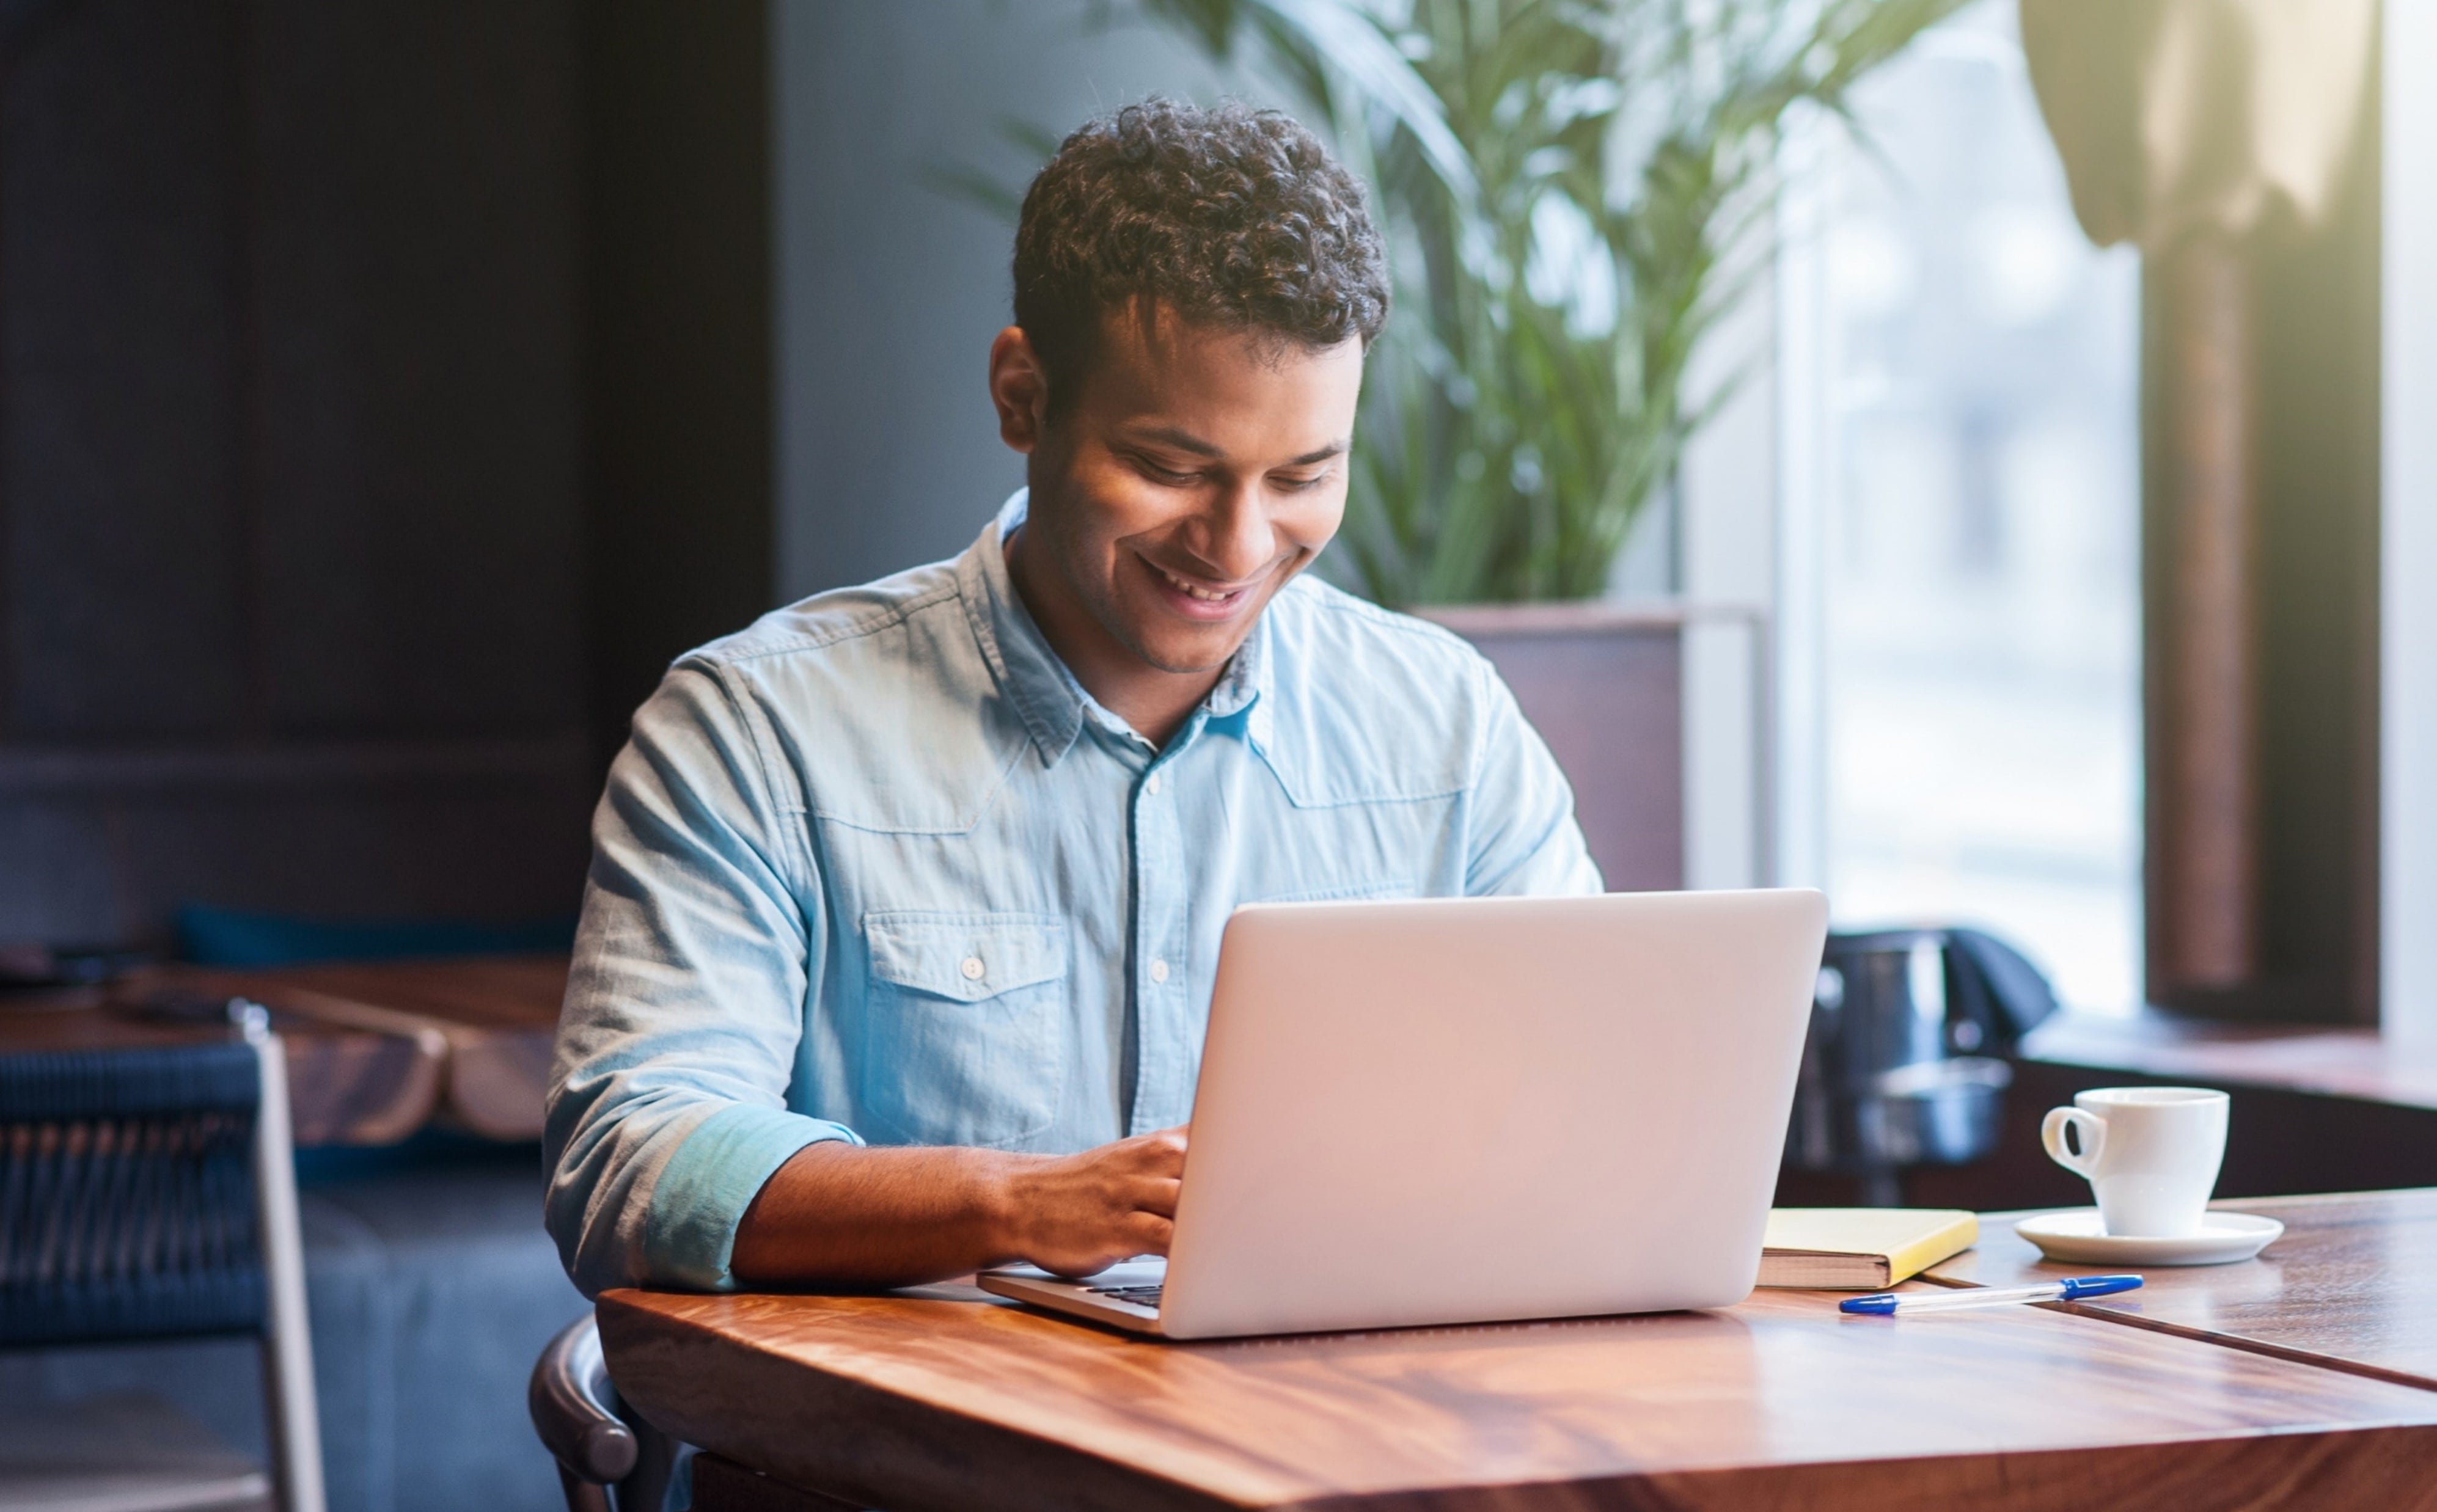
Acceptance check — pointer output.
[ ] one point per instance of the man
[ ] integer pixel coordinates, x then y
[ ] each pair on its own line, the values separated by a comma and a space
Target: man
941, 862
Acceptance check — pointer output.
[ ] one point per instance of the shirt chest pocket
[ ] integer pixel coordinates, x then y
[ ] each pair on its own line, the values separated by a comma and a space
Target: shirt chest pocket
965, 1026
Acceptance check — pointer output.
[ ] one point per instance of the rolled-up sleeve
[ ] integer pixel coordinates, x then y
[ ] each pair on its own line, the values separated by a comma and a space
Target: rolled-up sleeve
1521, 829
668, 1092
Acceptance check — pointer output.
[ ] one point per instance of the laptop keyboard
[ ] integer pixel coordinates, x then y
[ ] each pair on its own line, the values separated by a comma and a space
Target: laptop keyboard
1143, 1295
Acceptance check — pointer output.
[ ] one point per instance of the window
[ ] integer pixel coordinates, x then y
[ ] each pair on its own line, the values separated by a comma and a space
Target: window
1979, 510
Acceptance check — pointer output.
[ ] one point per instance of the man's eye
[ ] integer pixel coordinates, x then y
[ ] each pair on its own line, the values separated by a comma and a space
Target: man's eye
1162, 474
1298, 485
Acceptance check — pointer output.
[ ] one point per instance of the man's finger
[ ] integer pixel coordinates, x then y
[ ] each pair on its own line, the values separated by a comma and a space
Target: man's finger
1148, 1233
1154, 1194
1159, 1152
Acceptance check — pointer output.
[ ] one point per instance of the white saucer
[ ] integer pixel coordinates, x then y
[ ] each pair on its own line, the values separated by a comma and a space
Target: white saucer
2078, 1238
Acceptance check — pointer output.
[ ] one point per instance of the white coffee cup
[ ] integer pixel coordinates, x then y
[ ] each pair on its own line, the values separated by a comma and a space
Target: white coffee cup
2150, 1153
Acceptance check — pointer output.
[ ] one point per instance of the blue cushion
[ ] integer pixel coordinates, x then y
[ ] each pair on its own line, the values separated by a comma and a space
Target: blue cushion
223, 937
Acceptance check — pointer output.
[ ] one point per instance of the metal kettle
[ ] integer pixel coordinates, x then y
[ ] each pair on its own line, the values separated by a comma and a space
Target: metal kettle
1904, 1063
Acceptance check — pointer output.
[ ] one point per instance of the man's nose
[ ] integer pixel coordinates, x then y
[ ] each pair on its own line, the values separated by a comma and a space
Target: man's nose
1238, 537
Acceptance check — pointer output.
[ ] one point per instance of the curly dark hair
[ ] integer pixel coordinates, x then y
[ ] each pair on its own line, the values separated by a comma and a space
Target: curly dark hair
1232, 217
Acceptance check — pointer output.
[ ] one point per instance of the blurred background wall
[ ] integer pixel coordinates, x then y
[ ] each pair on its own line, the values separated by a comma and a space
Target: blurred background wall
389, 390
290, 518
890, 284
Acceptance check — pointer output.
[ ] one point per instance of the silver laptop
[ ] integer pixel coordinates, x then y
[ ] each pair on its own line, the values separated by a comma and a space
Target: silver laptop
1468, 1111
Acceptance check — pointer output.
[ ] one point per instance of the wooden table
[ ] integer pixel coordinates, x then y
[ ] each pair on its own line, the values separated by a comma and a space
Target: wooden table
493, 1018
346, 1085
2351, 1285
376, 1050
950, 1400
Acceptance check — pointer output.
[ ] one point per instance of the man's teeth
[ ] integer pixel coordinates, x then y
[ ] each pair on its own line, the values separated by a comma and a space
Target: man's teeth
1192, 592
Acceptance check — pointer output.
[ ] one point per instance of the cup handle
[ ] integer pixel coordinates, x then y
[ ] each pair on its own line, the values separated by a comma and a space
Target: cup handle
2094, 1138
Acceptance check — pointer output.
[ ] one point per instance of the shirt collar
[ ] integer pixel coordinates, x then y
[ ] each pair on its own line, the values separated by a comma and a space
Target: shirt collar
1051, 702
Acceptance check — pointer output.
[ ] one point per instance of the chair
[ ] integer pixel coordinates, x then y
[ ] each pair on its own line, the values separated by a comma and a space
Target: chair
599, 1447
149, 1193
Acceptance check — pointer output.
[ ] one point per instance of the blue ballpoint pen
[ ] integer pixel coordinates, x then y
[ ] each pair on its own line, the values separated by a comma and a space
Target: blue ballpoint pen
2073, 1290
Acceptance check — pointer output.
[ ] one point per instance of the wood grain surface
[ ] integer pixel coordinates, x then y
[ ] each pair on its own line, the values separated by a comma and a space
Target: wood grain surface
376, 1050
920, 1403
494, 1018
2351, 1284
347, 1083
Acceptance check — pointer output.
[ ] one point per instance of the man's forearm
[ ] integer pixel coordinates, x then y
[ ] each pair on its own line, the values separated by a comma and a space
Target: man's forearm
891, 1217
883, 1217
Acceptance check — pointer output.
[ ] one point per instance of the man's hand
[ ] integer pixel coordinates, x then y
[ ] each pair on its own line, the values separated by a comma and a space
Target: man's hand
890, 1217
1076, 1214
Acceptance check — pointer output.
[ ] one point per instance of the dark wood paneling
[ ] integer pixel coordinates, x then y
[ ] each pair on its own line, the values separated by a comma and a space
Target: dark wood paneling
480, 851
291, 534
120, 360
55, 871
413, 179
110, 843
112, 870
677, 371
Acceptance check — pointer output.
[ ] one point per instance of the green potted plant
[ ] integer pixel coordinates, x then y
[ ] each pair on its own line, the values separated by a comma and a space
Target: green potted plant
1574, 192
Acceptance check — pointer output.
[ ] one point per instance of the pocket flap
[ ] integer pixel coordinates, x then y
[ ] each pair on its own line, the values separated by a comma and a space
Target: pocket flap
969, 956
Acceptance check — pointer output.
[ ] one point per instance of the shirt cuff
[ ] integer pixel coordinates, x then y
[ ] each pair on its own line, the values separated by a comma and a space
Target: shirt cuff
690, 1227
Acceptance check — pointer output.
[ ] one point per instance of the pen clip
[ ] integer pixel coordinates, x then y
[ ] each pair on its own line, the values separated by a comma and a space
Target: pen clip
2077, 1287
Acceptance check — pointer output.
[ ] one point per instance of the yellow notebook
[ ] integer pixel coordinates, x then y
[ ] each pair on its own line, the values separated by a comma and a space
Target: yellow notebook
1860, 1249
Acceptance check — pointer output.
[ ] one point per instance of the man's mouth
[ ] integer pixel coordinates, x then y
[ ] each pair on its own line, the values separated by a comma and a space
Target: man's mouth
1216, 598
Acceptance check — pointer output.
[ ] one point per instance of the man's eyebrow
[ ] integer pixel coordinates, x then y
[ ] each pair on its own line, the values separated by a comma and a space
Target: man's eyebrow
1181, 440
1335, 449
1187, 441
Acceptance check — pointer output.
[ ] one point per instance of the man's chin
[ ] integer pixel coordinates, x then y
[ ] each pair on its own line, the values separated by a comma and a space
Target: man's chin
1197, 662
1191, 654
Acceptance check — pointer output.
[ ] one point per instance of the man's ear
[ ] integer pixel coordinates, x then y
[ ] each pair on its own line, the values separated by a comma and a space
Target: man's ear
1020, 389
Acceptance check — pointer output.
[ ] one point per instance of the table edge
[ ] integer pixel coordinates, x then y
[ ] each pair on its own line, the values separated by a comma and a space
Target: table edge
2231, 1341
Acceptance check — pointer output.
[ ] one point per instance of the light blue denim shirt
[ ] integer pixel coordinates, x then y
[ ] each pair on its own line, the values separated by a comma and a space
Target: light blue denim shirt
878, 869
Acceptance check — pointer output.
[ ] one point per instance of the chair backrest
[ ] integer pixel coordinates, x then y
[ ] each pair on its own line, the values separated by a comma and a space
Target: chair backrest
575, 1408
127, 1193
151, 1192
599, 1444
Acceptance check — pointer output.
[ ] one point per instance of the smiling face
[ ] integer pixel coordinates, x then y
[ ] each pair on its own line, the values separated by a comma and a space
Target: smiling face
1193, 474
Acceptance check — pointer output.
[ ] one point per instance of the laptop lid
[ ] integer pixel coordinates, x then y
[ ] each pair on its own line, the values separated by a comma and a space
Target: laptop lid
1476, 1109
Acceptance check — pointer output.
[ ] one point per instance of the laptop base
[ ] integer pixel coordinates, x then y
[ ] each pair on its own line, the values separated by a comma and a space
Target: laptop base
1124, 1296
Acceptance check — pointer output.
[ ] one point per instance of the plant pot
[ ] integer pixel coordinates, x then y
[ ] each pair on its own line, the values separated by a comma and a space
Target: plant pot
1603, 685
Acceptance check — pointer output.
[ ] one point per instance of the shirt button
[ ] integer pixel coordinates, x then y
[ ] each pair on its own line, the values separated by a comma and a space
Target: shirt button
1159, 971
1150, 785
973, 968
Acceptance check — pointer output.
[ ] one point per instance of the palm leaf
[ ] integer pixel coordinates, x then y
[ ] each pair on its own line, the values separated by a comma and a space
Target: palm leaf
1513, 431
